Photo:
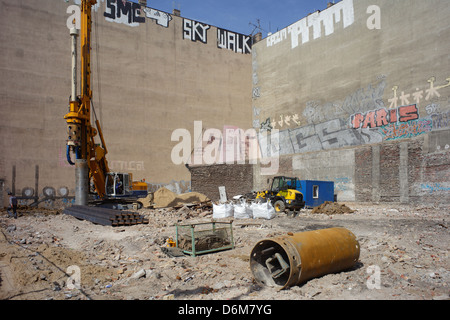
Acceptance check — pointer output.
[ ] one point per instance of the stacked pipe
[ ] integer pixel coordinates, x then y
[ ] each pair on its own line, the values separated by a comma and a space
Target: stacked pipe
105, 216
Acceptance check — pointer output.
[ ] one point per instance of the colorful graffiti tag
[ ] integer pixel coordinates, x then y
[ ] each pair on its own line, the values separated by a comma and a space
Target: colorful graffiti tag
409, 129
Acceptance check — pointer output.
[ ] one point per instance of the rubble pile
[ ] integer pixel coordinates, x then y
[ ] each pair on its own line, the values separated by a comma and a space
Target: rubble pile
330, 208
404, 255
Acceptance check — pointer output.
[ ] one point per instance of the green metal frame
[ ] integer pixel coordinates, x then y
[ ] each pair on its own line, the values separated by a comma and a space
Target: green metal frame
195, 253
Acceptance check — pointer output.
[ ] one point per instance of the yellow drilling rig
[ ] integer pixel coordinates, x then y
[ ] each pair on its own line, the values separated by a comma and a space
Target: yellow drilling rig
91, 166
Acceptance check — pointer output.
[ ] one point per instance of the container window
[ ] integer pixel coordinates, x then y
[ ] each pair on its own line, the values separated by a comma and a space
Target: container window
316, 192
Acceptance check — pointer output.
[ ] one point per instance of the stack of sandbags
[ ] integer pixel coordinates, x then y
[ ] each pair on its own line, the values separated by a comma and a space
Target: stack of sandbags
223, 210
243, 210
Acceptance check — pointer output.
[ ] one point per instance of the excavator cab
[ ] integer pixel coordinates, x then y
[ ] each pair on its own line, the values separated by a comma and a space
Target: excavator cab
118, 184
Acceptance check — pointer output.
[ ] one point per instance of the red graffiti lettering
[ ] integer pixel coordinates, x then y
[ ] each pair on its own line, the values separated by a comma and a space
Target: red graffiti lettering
408, 113
369, 122
357, 120
393, 115
383, 117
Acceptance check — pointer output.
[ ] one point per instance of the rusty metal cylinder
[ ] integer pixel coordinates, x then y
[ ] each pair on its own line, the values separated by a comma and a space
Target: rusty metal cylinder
293, 259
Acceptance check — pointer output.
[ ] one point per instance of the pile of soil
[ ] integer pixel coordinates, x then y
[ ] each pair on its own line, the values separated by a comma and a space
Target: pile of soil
330, 208
164, 198
207, 242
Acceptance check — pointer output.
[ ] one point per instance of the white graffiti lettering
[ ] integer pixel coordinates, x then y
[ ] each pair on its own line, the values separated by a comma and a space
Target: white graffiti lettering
277, 37
234, 41
341, 12
194, 31
160, 17
123, 12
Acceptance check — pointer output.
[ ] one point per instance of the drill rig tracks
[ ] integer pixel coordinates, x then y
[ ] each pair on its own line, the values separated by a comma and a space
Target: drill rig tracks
106, 217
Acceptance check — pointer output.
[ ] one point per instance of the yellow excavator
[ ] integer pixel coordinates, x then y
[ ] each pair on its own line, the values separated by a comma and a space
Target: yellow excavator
92, 171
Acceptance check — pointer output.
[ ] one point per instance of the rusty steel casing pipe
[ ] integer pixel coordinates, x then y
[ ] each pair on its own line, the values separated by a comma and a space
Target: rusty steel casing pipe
81, 182
293, 259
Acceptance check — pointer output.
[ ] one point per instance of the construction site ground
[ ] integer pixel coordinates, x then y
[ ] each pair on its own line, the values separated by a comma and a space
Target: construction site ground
43, 254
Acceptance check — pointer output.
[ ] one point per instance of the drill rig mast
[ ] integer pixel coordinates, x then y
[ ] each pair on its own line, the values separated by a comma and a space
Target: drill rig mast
91, 163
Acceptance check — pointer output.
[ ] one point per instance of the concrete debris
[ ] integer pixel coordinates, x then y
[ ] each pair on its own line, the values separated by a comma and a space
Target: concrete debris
404, 255
140, 274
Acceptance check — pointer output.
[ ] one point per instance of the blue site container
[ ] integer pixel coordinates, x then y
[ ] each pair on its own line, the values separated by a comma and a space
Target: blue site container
316, 192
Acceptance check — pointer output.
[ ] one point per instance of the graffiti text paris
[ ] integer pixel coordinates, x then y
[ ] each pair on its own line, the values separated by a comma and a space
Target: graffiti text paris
382, 117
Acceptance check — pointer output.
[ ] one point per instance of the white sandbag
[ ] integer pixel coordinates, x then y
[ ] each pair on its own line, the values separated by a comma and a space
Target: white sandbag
242, 211
223, 210
263, 210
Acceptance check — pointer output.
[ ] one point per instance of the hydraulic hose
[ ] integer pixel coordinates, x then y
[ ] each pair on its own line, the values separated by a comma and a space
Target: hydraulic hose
69, 160
77, 155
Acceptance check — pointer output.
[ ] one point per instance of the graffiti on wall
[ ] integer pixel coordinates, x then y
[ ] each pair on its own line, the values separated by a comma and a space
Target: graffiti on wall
342, 12
435, 187
132, 14
235, 42
266, 125
325, 136
409, 129
369, 120
383, 117
418, 95
161, 18
362, 100
286, 121
193, 30
197, 31
441, 120
123, 12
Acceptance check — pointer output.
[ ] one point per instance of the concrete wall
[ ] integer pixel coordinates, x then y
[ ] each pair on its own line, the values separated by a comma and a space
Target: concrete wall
152, 73
352, 89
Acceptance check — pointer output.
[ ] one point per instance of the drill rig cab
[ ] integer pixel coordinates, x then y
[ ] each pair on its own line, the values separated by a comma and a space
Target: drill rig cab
121, 185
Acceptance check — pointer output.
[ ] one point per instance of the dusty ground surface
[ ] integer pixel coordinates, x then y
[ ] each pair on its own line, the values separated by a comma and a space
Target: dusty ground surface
404, 255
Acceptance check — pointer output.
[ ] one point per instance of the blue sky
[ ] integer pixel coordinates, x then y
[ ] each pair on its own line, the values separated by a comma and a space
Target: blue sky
236, 15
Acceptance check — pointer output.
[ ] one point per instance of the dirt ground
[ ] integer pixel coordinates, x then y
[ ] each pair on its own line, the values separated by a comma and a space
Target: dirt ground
44, 254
